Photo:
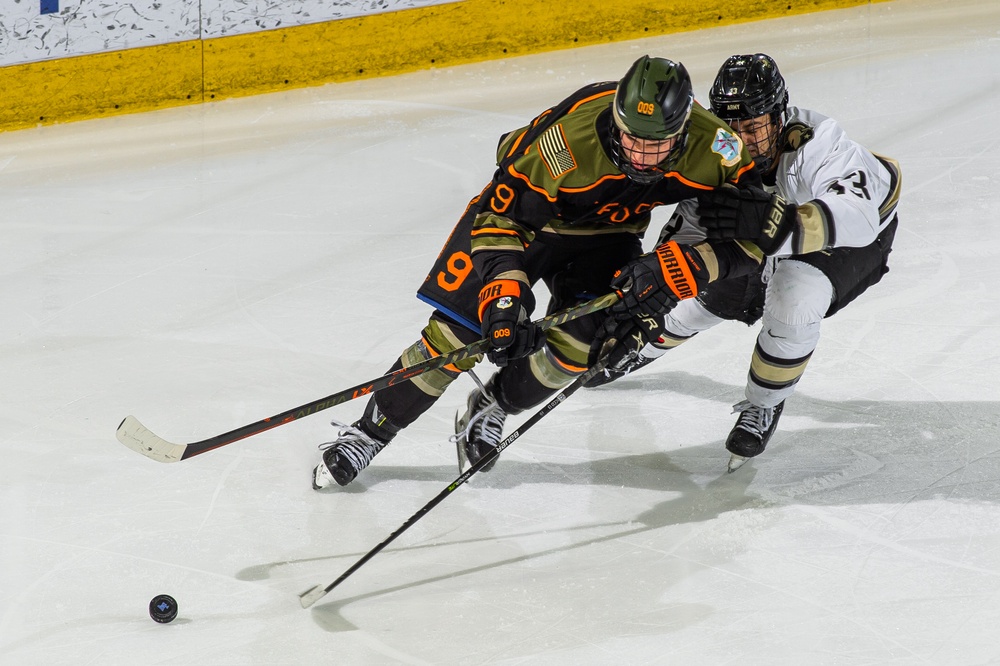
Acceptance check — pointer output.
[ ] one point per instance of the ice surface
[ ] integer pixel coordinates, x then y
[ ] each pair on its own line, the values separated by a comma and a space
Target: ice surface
209, 266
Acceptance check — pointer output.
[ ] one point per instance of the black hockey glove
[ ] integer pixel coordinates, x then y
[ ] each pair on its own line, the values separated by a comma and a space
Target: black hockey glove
655, 282
619, 342
748, 213
505, 321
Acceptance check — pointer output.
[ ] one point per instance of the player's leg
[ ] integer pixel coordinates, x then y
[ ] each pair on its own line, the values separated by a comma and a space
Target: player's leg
798, 297
393, 408
803, 291
739, 299
452, 287
572, 277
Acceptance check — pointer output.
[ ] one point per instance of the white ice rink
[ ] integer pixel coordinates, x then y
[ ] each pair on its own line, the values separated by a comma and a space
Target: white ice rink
209, 266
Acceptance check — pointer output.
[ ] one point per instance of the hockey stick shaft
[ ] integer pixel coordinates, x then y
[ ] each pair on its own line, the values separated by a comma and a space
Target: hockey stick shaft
313, 594
137, 437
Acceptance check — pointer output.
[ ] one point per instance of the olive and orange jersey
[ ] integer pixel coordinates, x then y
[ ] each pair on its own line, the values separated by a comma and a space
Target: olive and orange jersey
556, 182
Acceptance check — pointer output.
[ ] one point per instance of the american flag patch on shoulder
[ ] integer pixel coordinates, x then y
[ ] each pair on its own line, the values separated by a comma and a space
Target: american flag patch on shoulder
554, 151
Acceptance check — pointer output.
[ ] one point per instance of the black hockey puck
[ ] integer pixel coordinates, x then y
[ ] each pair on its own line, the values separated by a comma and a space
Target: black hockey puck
163, 608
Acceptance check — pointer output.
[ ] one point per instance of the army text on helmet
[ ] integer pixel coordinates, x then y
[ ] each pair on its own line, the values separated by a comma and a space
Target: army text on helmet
748, 86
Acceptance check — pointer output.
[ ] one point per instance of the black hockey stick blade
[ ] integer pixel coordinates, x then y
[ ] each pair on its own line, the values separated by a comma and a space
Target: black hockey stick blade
317, 592
140, 439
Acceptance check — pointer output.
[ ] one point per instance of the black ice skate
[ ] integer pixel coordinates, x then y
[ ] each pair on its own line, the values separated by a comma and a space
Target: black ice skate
344, 457
753, 430
479, 429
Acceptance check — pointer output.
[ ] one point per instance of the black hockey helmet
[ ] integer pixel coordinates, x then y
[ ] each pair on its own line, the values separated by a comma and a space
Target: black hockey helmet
748, 86
652, 102
749, 93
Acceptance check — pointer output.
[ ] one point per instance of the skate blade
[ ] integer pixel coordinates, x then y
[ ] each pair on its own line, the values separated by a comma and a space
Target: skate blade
735, 462
463, 460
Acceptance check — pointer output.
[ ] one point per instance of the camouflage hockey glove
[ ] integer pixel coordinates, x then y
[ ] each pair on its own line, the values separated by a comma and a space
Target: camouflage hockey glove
505, 321
655, 282
749, 213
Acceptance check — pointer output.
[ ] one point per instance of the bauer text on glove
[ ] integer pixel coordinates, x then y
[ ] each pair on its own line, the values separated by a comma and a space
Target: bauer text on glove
747, 213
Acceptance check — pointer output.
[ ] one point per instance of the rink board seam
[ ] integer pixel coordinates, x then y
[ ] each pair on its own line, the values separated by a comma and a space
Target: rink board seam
195, 71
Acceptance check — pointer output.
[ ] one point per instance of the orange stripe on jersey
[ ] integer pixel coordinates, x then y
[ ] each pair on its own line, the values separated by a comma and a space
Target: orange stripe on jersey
541, 115
743, 171
491, 231
514, 172
590, 99
570, 190
592, 186
689, 183
517, 143
434, 352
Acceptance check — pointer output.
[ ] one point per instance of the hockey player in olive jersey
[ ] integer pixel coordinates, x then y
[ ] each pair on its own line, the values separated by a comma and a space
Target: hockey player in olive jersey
826, 219
568, 205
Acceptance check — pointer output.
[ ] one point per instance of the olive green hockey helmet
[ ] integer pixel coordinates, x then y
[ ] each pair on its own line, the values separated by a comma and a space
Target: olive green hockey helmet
654, 99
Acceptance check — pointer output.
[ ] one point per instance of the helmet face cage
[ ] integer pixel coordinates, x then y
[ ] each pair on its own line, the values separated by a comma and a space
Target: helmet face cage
650, 116
762, 137
749, 93
631, 153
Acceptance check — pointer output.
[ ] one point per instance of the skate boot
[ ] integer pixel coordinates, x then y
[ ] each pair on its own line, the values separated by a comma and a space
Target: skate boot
344, 457
617, 369
753, 430
609, 375
479, 429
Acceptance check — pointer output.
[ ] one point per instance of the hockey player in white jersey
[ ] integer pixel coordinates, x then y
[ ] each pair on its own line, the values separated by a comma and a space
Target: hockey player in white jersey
826, 219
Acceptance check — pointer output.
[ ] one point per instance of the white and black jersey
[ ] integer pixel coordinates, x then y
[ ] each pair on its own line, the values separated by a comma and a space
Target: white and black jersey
845, 194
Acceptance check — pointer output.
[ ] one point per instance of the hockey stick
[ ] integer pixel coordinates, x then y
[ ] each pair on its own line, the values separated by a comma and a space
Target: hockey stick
137, 437
315, 593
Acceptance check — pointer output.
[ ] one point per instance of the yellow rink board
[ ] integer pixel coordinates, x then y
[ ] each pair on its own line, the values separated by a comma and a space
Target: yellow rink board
155, 77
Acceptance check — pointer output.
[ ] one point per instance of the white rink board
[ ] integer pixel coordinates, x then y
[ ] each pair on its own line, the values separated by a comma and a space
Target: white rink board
95, 26
238, 17
92, 26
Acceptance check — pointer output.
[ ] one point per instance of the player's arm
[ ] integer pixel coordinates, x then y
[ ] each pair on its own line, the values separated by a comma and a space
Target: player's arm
498, 243
847, 184
736, 168
748, 213
655, 282
849, 191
